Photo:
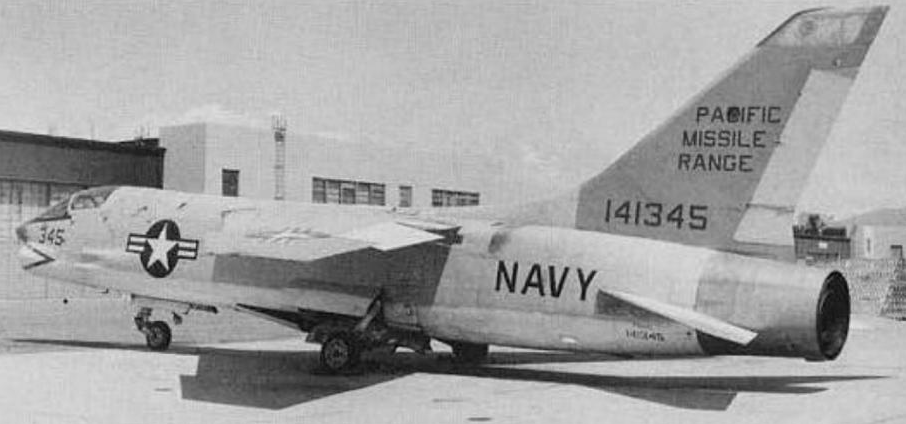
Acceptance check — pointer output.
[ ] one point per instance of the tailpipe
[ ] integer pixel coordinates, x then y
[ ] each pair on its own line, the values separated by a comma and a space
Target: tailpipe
833, 315
797, 311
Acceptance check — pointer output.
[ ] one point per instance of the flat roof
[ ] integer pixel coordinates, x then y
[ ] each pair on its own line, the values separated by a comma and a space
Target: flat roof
144, 147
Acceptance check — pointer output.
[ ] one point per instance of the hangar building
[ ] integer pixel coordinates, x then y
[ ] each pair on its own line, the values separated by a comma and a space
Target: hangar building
879, 234
274, 164
38, 170
876, 235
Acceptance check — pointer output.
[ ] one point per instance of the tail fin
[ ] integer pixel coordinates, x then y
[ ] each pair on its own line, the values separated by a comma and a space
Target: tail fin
728, 168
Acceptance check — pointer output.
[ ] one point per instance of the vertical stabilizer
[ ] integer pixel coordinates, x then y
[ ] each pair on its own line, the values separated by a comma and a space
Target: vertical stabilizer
727, 169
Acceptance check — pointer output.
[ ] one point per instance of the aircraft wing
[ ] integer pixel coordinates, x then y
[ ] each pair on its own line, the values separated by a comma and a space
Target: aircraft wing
303, 246
699, 321
390, 236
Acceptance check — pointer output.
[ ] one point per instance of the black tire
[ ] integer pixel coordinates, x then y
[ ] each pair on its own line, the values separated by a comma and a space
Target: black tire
469, 353
158, 336
340, 353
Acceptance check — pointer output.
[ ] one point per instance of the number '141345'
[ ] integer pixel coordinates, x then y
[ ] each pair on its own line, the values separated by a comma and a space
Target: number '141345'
656, 214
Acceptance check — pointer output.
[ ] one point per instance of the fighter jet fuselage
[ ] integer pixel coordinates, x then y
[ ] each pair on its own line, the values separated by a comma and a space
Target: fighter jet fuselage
531, 286
677, 248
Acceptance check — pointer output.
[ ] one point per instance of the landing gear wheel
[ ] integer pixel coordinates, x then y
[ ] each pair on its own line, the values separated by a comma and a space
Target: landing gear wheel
469, 353
158, 335
340, 352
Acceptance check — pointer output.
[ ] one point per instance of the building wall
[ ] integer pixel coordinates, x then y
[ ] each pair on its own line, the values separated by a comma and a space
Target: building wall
875, 241
247, 150
252, 152
185, 158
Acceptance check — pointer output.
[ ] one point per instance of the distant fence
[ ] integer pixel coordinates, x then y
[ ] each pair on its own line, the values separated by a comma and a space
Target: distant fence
877, 286
16, 283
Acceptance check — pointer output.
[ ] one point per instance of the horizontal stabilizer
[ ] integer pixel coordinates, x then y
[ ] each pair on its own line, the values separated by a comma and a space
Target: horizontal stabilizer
696, 320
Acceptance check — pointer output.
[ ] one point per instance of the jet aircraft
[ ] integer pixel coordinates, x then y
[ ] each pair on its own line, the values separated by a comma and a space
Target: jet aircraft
679, 248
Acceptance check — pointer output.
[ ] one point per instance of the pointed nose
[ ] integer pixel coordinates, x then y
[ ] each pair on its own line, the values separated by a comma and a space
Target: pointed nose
22, 233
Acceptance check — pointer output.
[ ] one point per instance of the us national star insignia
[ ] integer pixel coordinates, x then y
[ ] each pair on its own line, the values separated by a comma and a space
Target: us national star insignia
161, 248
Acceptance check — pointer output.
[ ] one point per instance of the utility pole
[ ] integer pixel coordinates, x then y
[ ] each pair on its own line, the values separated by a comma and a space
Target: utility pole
278, 123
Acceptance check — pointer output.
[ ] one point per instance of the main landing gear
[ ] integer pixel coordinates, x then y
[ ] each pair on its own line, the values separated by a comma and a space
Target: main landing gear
343, 341
157, 333
340, 352
469, 353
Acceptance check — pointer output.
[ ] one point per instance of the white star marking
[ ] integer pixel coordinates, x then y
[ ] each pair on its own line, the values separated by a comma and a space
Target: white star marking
160, 247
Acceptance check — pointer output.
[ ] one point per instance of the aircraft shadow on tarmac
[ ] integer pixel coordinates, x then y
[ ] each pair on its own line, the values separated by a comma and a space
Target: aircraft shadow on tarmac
281, 379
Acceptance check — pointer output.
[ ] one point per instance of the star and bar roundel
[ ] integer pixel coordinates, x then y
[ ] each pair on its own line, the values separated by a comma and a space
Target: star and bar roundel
161, 248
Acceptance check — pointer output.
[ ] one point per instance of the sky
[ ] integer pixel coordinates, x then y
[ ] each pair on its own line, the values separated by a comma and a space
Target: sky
553, 90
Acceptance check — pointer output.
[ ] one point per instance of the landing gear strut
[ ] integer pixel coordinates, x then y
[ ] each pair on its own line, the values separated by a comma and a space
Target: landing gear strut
469, 353
157, 333
343, 341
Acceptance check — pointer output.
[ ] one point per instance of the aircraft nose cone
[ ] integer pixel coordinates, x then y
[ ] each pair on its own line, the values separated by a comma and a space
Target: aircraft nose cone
30, 257
22, 233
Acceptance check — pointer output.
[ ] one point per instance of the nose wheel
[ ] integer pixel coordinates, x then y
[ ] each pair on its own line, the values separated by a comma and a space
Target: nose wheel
157, 333
158, 336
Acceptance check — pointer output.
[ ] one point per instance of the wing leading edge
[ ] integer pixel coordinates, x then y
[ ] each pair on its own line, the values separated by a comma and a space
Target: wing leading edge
306, 246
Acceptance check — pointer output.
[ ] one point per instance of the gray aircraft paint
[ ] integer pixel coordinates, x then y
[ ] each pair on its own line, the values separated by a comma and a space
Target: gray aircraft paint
493, 280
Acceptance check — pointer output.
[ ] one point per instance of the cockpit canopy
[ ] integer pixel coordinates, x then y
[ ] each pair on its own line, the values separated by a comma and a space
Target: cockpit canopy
91, 198
86, 199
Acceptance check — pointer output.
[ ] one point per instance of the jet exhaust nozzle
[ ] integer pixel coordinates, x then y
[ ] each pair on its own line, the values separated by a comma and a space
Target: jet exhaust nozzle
833, 316
796, 311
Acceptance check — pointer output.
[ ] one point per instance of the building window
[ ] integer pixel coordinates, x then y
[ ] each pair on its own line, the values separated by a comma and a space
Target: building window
405, 196
333, 191
362, 193
346, 192
444, 198
25, 193
60, 192
230, 182
32, 193
6, 194
318, 190
377, 194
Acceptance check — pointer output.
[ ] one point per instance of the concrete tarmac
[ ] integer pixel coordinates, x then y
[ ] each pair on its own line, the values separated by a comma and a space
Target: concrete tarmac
83, 363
